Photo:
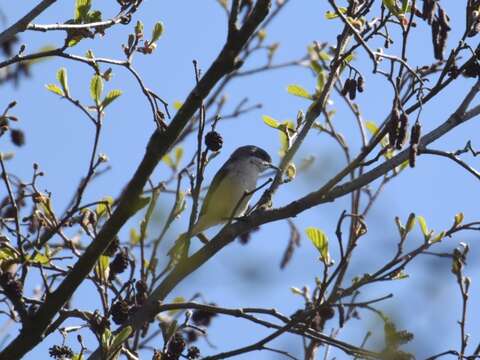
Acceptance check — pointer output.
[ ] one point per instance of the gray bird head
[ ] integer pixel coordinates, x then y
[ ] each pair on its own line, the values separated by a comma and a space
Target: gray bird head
256, 155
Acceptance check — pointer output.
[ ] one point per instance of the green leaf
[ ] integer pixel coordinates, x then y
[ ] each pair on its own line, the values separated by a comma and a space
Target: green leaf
77, 357
423, 226
410, 222
94, 16
140, 203
329, 15
121, 337
106, 339
103, 269
157, 31
7, 253
168, 161
96, 88
74, 41
391, 6
320, 241
438, 237
371, 127
180, 205
134, 236
55, 89
63, 80
178, 155
297, 90
40, 259
458, 219
405, 6
103, 206
111, 96
82, 7
177, 104
268, 120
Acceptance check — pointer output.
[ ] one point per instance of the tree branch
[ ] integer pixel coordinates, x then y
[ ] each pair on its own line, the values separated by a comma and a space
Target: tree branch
22, 24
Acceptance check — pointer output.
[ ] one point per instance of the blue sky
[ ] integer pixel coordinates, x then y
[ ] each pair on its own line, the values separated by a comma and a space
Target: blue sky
59, 139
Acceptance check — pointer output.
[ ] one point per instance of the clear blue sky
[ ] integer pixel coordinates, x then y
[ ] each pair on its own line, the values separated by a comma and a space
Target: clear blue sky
59, 139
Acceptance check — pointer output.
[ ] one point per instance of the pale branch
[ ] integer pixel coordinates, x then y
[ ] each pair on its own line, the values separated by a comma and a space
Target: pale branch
451, 156
157, 147
22, 24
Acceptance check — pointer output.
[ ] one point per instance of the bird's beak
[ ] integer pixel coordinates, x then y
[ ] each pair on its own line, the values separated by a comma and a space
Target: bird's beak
271, 166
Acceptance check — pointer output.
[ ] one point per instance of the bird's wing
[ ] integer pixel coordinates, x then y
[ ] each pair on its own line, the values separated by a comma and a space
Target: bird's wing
213, 187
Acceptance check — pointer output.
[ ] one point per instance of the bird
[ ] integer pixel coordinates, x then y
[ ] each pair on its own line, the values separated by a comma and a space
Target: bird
229, 192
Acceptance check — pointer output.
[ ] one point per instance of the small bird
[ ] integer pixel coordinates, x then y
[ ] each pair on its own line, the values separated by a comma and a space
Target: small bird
230, 191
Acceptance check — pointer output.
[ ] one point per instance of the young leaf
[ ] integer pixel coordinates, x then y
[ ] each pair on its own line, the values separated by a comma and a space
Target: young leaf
423, 226
134, 236
102, 206
438, 237
55, 89
157, 31
168, 161
371, 127
270, 121
82, 7
329, 15
96, 88
458, 219
297, 90
111, 96
63, 80
177, 104
178, 155
103, 269
320, 241
121, 337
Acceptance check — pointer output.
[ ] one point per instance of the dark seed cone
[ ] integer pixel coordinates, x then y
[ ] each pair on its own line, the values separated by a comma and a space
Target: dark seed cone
119, 264
213, 141
393, 127
471, 69
17, 137
113, 247
193, 353
402, 131
352, 91
60, 352
360, 84
415, 133
119, 312
412, 155
176, 345
346, 87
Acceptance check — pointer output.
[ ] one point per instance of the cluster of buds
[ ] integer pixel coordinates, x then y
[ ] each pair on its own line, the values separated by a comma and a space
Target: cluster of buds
351, 86
397, 128
414, 140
